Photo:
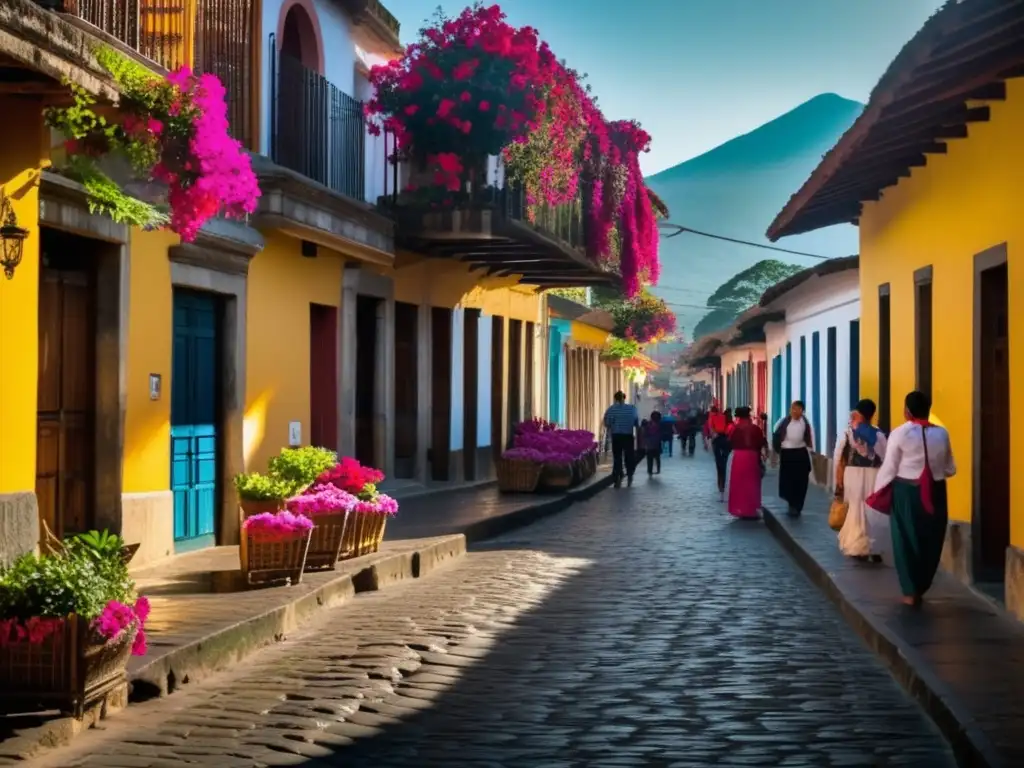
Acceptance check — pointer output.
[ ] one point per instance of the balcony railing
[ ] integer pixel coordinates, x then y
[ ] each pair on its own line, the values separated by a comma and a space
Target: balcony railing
317, 129
158, 29
213, 36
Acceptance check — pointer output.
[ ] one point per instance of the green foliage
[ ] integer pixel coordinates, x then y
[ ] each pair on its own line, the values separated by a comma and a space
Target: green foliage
82, 579
299, 467
620, 349
579, 295
741, 291
105, 198
253, 486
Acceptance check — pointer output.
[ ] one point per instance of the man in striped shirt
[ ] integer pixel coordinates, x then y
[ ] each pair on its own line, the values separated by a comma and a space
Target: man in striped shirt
622, 421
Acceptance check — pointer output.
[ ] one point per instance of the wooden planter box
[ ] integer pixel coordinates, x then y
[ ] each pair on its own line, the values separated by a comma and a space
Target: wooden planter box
268, 560
517, 476
363, 535
326, 541
69, 671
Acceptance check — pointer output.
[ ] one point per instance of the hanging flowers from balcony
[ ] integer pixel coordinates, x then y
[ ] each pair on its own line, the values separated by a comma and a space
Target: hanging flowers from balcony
167, 145
476, 86
645, 319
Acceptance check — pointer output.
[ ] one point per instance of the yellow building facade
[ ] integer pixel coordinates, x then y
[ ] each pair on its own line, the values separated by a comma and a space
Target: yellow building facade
929, 172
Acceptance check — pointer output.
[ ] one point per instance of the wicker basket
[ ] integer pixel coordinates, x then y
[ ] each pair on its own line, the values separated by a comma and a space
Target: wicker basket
326, 540
363, 535
266, 560
518, 476
557, 475
70, 671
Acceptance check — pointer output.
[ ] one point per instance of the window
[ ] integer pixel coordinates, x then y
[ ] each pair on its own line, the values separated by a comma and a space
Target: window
884, 359
816, 388
854, 362
803, 369
923, 329
830, 391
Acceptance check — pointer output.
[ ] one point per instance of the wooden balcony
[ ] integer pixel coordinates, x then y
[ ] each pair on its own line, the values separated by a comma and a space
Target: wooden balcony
376, 28
491, 231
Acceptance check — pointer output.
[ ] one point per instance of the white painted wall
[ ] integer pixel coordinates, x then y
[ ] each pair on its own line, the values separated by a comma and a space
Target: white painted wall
458, 378
753, 353
483, 382
832, 301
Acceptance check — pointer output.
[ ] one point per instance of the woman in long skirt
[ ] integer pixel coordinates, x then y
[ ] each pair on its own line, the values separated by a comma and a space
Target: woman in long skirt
859, 454
748, 448
918, 461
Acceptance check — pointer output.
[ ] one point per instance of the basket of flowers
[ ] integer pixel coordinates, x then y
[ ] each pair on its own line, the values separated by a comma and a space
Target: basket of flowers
330, 509
69, 621
274, 547
519, 470
259, 493
365, 530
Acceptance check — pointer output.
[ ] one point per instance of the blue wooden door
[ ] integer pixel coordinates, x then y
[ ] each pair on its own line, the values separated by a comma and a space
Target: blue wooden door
194, 420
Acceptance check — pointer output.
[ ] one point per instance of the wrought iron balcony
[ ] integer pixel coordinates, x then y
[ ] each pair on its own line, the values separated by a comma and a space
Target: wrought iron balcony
317, 129
491, 228
160, 30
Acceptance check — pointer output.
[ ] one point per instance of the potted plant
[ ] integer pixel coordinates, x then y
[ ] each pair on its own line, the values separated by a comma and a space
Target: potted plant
274, 547
69, 620
300, 467
329, 508
259, 493
371, 514
519, 470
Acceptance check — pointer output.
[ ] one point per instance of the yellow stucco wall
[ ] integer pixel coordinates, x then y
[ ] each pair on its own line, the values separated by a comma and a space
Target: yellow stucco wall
282, 285
23, 148
589, 335
960, 204
147, 446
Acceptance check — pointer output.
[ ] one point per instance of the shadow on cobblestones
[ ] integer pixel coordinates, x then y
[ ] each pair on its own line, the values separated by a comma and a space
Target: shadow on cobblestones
642, 628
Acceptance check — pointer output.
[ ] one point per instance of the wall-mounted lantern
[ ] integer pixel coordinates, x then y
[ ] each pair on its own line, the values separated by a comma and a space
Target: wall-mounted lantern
12, 237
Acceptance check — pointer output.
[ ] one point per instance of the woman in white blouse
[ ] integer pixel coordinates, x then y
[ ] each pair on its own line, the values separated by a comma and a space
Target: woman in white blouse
858, 456
918, 517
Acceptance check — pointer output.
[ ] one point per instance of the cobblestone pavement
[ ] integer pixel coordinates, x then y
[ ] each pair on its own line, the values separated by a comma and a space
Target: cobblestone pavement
642, 628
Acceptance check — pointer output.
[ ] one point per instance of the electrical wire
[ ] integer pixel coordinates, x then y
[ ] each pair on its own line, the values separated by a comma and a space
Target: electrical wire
680, 229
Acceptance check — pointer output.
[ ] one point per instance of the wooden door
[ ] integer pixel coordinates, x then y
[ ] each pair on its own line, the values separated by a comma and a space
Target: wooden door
470, 390
195, 420
367, 330
497, 385
65, 440
406, 388
323, 376
993, 479
441, 392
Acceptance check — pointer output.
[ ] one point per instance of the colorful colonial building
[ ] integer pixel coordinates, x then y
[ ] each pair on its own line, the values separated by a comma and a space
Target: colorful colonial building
929, 172
145, 372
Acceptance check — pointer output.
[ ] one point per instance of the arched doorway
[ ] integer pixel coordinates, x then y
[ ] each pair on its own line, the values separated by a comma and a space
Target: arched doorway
301, 131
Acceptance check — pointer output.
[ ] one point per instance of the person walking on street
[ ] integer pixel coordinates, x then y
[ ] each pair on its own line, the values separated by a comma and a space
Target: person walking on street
859, 454
793, 441
718, 431
651, 436
668, 431
622, 421
918, 460
748, 449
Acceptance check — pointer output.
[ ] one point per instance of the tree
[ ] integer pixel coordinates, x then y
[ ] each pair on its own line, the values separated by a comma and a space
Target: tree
741, 291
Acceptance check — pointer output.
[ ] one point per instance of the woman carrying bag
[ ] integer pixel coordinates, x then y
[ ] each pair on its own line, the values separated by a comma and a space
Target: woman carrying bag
859, 455
911, 488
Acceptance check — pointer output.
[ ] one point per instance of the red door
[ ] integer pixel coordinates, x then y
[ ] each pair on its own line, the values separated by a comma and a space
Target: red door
323, 376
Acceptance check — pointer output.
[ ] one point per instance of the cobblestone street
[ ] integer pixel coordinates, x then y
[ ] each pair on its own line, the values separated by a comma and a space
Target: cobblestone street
642, 628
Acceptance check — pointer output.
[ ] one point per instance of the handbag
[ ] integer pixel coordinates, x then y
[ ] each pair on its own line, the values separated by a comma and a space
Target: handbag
881, 500
837, 513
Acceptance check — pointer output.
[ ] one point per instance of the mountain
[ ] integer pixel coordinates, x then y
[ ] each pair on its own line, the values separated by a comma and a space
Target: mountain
736, 190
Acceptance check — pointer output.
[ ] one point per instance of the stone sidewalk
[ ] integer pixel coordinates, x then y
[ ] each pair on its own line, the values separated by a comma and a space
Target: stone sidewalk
959, 655
202, 621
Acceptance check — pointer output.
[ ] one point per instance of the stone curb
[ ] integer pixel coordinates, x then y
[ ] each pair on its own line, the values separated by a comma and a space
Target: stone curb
524, 516
230, 645
971, 747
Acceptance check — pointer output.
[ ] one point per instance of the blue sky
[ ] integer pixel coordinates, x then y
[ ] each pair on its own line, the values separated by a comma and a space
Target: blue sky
696, 73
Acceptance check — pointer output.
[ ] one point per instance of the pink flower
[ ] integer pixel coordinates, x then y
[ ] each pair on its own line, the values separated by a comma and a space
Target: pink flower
484, 105
275, 526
